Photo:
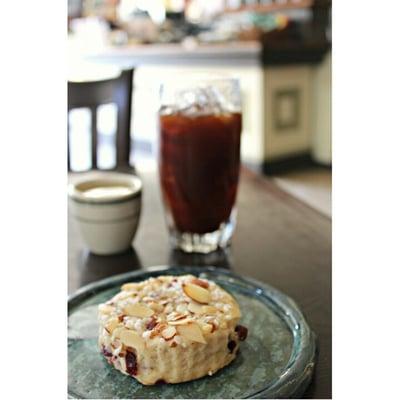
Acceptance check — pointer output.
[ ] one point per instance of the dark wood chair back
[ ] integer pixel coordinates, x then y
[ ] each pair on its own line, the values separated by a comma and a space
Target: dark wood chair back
95, 93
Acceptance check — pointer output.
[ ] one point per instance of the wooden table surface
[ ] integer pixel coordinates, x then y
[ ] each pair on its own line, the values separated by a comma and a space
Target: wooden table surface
278, 240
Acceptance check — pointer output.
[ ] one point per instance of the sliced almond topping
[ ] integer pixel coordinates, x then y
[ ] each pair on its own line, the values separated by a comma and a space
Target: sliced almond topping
195, 308
115, 344
129, 286
160, 326
122, 296
168, 308
196, 293
111, 325
138, 310
175, 316
131, 339
209, 310
106, 309
182, 321
168, 333
207, 328
200, 282
157, 329
117, 332
171, 316
156, 306
191, 332
181, 308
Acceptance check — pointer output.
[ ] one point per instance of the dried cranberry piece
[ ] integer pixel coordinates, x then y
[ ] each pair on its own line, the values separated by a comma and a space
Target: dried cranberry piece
121, 317
241, 332
131, 363
160, 382
106, 352
151, 324
231, 345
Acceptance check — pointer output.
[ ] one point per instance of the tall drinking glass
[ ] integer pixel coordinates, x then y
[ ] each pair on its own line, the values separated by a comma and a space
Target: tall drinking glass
199, 161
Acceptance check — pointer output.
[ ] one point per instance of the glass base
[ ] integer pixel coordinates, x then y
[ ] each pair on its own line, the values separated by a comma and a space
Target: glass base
207, 242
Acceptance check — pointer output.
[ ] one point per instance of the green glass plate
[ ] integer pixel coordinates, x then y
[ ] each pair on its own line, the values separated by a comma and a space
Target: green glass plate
275, 361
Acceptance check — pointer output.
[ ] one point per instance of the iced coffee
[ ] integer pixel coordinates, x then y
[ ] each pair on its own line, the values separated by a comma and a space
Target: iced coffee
199, 163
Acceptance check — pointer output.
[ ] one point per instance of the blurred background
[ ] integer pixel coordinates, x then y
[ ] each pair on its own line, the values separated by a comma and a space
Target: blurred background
279, 49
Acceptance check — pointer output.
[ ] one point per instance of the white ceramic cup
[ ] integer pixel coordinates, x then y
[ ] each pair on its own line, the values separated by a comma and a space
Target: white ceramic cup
106, 206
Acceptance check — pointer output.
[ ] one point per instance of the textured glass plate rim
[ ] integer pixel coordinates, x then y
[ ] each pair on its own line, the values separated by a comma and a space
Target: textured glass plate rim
299, 369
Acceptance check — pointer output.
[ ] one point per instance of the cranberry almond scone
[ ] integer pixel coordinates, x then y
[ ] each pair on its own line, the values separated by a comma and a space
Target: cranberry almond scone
170, 329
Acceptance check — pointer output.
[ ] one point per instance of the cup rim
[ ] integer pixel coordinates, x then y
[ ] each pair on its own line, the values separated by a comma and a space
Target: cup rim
76, 192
